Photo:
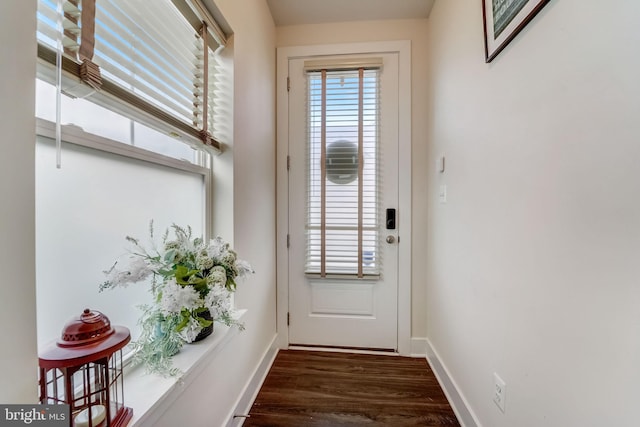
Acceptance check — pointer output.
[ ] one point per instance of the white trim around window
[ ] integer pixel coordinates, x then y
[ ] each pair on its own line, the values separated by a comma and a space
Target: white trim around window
75, 135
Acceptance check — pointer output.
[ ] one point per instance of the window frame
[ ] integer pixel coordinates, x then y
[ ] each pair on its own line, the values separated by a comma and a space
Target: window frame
127, 104
77, 80
73, 135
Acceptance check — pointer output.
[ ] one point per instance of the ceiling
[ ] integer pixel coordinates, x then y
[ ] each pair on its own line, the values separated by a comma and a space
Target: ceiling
299, 12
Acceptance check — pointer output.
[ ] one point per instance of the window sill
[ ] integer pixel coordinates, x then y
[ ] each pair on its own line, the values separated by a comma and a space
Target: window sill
150, 394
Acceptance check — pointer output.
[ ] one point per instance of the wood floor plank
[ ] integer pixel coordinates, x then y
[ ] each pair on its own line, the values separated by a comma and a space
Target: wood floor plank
318, 389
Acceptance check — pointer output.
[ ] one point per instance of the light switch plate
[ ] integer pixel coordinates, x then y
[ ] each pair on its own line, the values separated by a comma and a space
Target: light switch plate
443, 194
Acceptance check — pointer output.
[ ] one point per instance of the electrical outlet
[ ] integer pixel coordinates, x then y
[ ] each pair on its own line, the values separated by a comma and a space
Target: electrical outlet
499, 391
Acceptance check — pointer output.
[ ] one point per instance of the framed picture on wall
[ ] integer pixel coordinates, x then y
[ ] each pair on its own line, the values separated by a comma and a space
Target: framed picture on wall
503, 20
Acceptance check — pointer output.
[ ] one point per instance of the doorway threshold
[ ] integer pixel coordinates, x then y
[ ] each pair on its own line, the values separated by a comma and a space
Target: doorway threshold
343, 349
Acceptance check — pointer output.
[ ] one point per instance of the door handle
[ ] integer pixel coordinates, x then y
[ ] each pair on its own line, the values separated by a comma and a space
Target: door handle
391, 239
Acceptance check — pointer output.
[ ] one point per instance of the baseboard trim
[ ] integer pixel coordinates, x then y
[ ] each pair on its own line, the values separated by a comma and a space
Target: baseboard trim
250, 391
465, 415
418, 347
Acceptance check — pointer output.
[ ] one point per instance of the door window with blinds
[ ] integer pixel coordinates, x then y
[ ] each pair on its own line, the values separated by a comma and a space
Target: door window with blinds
343, 169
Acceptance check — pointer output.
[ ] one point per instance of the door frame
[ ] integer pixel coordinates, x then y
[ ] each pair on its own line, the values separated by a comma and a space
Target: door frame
284, 54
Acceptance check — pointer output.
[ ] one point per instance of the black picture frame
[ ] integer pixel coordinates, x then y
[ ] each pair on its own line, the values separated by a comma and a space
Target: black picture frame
503, 20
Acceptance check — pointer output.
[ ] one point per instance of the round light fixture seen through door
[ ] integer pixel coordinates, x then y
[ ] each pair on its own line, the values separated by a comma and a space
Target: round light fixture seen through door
341, 161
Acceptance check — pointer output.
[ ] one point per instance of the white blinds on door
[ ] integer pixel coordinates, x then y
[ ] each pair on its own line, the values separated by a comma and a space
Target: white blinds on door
343, 172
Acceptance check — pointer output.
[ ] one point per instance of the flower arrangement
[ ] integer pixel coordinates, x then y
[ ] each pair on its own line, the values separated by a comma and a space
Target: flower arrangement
192, 282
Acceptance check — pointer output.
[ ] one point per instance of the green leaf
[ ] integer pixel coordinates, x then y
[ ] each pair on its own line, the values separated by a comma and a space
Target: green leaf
204, 322
184, 322
200, 310
166, 273
182, 274
170, 255
201, 287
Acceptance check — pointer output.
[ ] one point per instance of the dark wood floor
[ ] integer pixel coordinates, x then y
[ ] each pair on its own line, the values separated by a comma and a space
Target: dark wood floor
305, 388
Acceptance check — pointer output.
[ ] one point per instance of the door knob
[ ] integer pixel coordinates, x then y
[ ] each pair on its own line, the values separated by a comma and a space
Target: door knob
391, 239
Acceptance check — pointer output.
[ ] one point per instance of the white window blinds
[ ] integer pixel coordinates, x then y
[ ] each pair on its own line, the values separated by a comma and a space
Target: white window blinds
343, 172
149, 56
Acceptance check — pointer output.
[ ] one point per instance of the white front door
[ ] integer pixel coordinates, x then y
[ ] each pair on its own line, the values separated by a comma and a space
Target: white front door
343, 198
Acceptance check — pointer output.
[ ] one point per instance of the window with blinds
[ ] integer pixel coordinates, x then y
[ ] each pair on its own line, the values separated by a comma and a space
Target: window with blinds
155, 59
343, 172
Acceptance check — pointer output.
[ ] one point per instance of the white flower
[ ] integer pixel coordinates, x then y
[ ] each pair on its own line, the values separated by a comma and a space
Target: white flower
243, 267
217, 276
218, 301
191, 331
137, 272
229, 258
172, 245
204, 262
217, 247
176, 297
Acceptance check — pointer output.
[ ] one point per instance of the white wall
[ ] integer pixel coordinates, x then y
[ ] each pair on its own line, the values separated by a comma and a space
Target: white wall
18, 354
211, 397
533, 261
389, 30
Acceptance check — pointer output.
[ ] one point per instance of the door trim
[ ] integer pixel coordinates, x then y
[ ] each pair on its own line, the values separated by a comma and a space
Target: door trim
284, 54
